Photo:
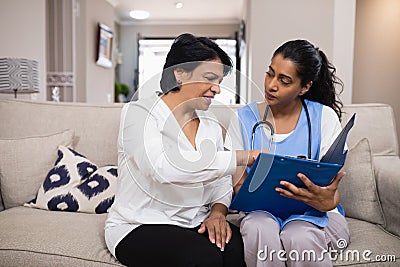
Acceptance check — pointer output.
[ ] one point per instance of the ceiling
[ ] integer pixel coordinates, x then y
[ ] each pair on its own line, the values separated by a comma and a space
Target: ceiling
193, 11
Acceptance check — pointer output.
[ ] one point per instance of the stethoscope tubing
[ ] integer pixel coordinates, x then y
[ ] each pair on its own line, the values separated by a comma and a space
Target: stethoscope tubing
272, 130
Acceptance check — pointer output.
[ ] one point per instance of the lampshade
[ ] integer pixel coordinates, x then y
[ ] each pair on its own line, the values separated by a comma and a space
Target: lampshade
18, 75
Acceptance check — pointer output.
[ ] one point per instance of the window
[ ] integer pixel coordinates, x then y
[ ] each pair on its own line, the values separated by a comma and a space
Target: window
152, 54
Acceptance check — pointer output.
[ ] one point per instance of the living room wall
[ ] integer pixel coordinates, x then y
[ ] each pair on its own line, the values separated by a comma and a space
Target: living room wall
94, 84
23, 29
23, 35
328, 24
377, 54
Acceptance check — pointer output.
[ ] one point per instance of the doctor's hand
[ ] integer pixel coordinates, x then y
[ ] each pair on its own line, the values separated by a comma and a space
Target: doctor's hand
323, 198
219, 230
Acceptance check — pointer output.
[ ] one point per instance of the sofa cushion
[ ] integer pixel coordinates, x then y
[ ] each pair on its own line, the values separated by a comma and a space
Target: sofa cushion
94, 125
24, 162
381, 134
369, 243
387, 171
358, 192
36, 237
76, 184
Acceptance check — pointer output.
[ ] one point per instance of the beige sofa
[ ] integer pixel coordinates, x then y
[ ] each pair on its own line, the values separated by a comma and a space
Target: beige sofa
31, 131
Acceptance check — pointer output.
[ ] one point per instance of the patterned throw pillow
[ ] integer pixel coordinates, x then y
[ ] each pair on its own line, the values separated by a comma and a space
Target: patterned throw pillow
76, 184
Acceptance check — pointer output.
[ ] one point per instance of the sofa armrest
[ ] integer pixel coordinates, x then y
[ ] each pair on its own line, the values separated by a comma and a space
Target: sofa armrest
387, 173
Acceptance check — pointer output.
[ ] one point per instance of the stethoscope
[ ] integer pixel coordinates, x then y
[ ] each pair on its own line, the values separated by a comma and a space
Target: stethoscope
272, 130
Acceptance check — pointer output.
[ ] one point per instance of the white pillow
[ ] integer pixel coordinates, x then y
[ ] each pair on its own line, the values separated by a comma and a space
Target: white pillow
24, 162
76, 184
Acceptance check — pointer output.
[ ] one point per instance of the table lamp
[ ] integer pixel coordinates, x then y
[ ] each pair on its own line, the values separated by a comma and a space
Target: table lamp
18, 75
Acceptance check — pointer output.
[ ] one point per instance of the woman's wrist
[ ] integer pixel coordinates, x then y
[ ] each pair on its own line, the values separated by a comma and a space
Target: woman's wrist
218, 209
246, 157
242, 157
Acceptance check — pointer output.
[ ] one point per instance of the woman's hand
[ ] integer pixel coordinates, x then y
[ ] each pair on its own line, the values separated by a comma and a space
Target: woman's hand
322, 198
247, 157
219, 231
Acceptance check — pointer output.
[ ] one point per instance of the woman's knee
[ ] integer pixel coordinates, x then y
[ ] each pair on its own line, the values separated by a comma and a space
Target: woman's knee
258, 223
302, 235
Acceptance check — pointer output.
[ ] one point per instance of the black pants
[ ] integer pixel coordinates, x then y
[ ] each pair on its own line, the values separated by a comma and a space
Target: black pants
170, 245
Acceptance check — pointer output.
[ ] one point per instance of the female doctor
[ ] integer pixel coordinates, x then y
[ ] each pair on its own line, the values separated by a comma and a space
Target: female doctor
174, 176
300, 99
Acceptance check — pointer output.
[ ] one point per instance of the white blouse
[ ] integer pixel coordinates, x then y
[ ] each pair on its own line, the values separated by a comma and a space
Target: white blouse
162, 179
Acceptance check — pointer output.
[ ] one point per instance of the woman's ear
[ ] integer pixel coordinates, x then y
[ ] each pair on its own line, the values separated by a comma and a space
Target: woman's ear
178, 73
305, 88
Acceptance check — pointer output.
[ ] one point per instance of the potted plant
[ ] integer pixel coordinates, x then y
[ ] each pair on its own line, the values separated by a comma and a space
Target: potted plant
121, 92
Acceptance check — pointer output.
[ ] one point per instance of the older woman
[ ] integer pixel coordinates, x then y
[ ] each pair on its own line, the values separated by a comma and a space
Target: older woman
174, 175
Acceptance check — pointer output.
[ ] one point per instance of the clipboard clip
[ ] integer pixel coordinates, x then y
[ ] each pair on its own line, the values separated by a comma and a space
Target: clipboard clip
302, 157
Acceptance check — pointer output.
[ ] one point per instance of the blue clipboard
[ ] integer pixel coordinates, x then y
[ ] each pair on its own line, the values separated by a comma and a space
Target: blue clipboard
258, 189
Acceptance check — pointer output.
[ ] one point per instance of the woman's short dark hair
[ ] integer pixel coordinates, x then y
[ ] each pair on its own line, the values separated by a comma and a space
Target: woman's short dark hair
189, 48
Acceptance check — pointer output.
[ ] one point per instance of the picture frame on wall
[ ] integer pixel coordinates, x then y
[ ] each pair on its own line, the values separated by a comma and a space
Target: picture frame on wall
104, 46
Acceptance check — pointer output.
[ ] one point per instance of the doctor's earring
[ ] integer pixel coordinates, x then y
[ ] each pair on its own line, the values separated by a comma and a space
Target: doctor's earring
179, 82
